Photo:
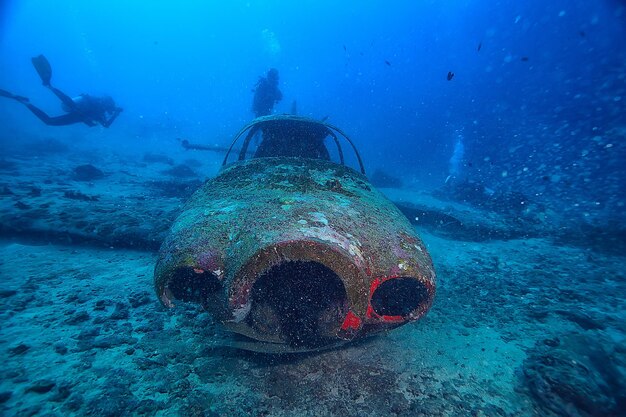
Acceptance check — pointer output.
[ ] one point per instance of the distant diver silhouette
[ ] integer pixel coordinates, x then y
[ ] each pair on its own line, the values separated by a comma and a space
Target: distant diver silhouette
266, 94
82, 109
279, 135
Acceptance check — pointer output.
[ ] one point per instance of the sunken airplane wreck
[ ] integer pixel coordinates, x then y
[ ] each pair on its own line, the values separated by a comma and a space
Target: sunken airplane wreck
292, 250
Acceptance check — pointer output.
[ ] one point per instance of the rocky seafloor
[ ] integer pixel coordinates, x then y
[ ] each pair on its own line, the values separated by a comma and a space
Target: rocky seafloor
528, 319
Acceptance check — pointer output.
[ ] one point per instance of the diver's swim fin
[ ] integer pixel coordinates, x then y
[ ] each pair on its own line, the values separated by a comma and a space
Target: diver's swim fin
43, 68
5, 93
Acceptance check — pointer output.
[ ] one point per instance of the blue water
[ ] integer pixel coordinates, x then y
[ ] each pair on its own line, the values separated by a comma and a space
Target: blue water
187, 69
515, 109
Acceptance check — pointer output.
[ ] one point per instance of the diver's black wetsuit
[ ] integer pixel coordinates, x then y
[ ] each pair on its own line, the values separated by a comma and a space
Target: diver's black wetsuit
64, 120
266, 94
82, 109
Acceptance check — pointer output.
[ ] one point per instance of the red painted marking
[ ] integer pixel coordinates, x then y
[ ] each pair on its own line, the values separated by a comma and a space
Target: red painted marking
352, 321
198, 271
392, 319
375, 283
370, 310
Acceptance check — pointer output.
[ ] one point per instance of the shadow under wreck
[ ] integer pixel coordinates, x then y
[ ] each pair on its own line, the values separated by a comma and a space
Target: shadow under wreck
293, 250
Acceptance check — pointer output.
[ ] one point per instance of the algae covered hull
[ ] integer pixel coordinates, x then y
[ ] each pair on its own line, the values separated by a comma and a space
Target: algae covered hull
298, 253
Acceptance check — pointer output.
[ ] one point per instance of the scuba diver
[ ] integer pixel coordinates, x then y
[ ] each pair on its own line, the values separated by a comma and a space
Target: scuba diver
266, 94
279, 135
82, 109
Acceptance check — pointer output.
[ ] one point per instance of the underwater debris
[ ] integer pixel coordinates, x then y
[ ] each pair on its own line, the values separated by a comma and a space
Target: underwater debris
87, 172
180, 171
18, 349
77, 195
194, 146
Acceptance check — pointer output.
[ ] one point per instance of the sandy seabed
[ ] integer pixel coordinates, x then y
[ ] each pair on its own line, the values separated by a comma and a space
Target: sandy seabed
518, 328
521, 326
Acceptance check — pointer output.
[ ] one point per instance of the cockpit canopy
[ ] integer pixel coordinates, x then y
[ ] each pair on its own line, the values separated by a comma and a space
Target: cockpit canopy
292, 136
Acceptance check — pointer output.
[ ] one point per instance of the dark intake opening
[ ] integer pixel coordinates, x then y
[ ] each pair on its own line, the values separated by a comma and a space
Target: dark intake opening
398, 296
300, 301
189, 285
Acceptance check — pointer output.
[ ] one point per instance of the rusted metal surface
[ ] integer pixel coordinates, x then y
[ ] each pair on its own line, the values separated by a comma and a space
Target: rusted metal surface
296, 252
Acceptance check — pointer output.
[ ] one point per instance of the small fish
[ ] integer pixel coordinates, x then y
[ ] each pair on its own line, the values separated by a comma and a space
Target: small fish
582, 33
388, 63
345, 49
450, 75
480, 45
524, 59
